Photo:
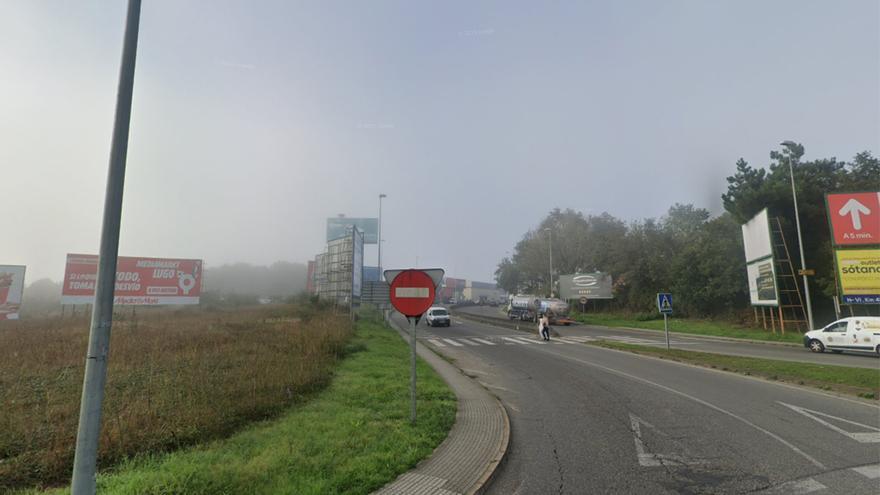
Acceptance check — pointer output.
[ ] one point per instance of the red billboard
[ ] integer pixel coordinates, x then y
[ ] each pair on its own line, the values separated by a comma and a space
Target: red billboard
855, 218
139, 281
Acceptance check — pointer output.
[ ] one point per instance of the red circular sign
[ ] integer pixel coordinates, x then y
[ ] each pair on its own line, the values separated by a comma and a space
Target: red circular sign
412, 292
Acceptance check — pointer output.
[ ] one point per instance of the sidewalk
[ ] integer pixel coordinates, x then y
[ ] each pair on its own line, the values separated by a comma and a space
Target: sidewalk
465, 462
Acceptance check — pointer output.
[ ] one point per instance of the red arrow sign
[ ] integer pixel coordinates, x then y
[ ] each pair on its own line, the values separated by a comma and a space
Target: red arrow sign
412, 292
855, 218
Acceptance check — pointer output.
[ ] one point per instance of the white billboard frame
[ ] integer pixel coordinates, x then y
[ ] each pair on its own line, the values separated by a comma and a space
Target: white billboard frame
756, 237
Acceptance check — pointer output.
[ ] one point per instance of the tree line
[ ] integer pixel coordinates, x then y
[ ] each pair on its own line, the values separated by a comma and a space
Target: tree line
688, 252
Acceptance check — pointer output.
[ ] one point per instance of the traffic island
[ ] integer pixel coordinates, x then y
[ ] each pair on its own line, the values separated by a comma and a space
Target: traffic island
467, 460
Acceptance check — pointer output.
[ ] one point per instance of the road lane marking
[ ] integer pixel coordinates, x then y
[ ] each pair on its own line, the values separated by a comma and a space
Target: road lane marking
454, 343
733, 415
528, 341
437, 342
578, 338
799, 487
870, 472
511, 340
468, 342
647, 459
483, 341
861, 436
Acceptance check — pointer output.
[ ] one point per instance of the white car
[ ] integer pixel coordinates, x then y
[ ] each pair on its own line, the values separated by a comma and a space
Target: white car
437, 317
856, 333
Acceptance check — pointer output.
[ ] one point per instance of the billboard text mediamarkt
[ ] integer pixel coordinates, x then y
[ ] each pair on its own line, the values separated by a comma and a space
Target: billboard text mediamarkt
139, 281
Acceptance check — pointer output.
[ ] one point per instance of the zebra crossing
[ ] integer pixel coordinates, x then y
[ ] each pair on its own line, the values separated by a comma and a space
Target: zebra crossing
522, 339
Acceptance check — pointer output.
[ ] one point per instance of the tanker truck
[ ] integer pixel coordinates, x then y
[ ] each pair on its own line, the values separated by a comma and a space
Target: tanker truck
527, 308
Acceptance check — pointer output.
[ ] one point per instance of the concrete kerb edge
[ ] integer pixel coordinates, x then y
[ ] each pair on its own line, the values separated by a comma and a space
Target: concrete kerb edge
836, 395
487, 320
500, 456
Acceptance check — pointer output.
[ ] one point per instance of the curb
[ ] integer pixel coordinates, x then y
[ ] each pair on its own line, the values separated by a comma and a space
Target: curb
501, 322
445, 471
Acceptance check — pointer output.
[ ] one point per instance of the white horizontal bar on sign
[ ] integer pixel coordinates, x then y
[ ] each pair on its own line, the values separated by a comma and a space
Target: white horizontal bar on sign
412, 292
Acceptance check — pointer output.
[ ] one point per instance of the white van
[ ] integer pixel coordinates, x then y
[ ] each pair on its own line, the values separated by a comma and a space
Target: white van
856, 333
437, 317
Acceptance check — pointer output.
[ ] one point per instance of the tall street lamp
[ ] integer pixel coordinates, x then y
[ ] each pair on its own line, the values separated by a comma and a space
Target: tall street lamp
550, 232
379, 240
791, 146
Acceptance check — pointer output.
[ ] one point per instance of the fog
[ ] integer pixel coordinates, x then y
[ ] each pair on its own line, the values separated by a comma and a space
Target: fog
253, 122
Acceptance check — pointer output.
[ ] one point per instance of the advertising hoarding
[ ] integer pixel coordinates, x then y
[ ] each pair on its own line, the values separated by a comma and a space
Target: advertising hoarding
596, 285
339, 227
11, 290
854, 218
762, 283
858, 271
756, 237
139, 281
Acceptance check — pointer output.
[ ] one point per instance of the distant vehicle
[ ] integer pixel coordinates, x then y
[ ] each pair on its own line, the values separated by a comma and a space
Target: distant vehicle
523, 307
437, 317
856, 333
527, 308
451, 301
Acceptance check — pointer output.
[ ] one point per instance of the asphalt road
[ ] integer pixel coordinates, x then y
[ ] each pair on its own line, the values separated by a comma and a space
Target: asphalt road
651, 337
592, 420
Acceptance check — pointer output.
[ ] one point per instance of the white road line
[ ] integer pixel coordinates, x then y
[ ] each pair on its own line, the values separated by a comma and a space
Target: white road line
579, 339
483, 341
437, 342
861, 437
452, 342
733, 415
468, 342
514, 341
568, 340
800, 487
870, 472
648, 459
529, 341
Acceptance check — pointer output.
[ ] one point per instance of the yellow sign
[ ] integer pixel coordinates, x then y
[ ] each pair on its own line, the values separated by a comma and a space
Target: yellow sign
859, 271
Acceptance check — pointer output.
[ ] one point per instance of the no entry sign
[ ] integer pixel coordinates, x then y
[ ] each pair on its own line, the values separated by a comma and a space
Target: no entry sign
412, 292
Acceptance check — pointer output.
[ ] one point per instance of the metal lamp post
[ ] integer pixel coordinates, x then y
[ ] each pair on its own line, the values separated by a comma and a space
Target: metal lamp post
379, 240
550, 232
89, 430
790, 146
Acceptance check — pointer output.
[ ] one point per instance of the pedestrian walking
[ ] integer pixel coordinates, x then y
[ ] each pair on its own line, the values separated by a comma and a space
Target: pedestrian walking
544, 326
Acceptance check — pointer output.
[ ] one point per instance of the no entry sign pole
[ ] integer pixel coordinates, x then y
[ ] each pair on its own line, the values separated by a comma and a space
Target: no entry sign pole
412, 370
412, 293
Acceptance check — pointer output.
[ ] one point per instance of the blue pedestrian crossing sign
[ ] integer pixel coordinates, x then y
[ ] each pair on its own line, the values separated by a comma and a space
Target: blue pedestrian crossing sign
664, 303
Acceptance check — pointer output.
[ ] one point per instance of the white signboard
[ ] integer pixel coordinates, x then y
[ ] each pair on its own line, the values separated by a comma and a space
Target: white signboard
11, 289
762, 283
756, 237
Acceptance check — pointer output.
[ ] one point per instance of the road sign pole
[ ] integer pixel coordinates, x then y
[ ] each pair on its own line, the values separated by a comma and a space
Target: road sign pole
412, 370
666, 329
88, 433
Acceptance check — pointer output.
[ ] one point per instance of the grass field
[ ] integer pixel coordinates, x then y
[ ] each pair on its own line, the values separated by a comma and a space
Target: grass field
863, 382
175, 378
352, 437
688, 325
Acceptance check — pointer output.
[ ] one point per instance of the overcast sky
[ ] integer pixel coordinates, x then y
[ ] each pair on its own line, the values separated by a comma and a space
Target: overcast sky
253, 121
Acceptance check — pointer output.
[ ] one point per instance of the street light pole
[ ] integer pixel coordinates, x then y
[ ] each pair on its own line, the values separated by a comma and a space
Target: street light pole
790, 145
550, 232
89, 430
379, 241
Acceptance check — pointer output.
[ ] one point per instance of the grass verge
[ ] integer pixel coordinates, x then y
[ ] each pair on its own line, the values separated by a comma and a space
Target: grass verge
352, 437
690, 326
862, 382
175, 378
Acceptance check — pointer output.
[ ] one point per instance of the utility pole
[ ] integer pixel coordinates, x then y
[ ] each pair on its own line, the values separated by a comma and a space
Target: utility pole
791, 146
379, 241
550, 232
88, 433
